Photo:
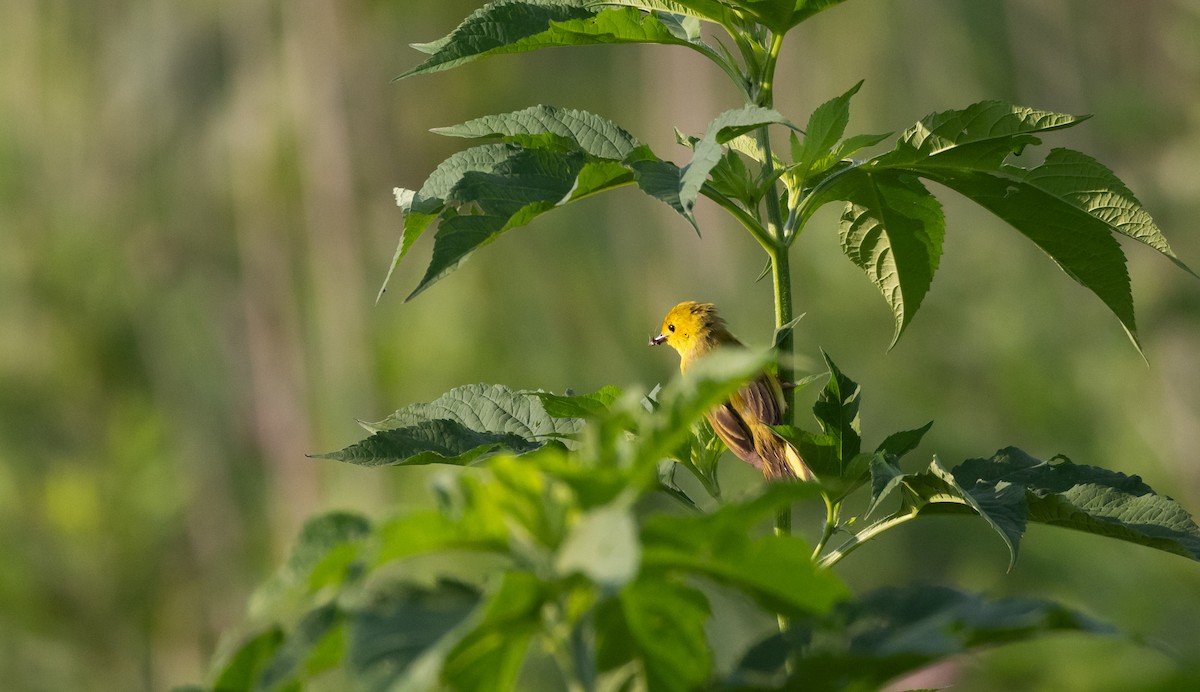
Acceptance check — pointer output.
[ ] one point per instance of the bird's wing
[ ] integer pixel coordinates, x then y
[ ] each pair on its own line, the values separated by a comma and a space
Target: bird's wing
729, 426
760, 400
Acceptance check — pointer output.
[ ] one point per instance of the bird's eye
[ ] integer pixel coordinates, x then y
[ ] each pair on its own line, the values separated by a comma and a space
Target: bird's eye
670, 328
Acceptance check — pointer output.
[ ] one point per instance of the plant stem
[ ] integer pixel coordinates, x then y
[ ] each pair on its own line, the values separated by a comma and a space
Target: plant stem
781, 278
832, 512
863, 536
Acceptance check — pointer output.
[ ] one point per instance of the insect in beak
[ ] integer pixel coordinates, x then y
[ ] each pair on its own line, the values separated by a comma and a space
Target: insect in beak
656, 340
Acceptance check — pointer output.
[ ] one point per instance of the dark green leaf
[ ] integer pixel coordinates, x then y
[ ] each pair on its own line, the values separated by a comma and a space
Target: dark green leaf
421, 208
430, 442
662, 180
460, 427
867, 642
399, 641
1078, 242
1086, 498
1012, 488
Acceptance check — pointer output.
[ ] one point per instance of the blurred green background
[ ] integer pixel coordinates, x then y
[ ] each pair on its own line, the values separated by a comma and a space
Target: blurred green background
196, 209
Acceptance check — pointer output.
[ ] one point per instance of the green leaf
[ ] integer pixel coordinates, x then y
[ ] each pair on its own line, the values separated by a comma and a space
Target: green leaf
489, 657
579, 405
875, 638
1013, 488
825, 128
430, 442
663, 181
979, 136
775, 570
1070, 205
710, 149
659, 624
550, 157
781, 15
315, 646
324, 555
898, 444
822, 453
1086, 498
479, 528
421, 208
400, 640
584, 131
461, 427
1080, 244
893, 229
731, 178
603, 546
836, 409
1079, 180
515, 26
243, 669
807, 8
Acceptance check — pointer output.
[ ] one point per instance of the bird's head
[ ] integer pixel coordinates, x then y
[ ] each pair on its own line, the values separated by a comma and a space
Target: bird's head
688, 324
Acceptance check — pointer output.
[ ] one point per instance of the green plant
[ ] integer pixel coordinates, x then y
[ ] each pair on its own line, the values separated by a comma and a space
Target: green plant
580, 561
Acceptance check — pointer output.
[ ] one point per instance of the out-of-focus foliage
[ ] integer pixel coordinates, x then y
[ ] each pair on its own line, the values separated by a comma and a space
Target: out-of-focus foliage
196, 210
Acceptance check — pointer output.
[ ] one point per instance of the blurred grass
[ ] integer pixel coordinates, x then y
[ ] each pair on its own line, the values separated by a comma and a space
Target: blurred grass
195, 200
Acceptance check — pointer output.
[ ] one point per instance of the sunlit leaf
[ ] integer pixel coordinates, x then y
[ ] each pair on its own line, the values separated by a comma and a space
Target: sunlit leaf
516, 26
775, 570
579, 405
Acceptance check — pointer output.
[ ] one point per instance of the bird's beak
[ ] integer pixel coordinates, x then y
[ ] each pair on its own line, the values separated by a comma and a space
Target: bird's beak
656, 340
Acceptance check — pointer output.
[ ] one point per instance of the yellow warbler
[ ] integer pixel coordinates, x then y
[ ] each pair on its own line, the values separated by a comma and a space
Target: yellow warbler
695, 330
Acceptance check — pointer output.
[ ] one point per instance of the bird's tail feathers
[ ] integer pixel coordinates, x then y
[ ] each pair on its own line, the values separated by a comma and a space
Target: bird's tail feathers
781, 461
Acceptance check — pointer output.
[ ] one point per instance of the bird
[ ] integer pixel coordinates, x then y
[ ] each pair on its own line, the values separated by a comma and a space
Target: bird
743, 422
